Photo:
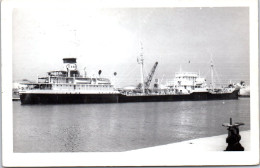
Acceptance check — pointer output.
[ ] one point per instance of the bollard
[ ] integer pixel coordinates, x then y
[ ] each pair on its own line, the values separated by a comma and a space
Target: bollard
233, 136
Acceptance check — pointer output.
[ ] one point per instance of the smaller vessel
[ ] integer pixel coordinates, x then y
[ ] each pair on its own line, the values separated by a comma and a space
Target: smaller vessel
244, 89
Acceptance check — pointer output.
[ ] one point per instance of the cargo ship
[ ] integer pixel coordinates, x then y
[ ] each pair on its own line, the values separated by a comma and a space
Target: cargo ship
69, 86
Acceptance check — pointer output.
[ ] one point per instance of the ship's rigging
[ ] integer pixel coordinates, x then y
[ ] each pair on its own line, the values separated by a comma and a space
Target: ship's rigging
145, 85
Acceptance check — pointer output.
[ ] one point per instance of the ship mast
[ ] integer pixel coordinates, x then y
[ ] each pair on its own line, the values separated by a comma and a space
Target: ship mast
140, 61
212, 75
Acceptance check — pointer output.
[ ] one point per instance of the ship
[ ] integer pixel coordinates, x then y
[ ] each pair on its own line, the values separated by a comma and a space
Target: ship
69, 86
244, 89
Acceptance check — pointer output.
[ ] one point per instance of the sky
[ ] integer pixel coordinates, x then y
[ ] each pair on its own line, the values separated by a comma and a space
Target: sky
110, 39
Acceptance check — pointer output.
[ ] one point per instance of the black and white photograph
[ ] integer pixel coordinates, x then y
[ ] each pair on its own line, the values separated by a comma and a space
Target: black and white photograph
135, 84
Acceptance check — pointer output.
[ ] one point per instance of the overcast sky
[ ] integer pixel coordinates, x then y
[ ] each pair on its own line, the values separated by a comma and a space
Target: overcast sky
109, 39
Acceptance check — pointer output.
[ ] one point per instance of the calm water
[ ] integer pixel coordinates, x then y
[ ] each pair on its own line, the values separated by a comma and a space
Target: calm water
121, 127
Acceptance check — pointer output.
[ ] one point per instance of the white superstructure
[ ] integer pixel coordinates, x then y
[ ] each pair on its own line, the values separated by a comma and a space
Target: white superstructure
190, 82
187, 82
69, 81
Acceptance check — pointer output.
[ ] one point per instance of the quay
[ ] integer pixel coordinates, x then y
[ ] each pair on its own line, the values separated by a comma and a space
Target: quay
214, 143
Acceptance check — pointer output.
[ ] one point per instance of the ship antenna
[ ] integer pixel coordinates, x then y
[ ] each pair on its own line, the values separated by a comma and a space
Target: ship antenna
140, 61
212, 74
85, 73
75, 43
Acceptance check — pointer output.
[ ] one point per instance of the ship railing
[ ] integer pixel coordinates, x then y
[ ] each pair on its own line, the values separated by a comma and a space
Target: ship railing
155, 94
221, 90
186, 74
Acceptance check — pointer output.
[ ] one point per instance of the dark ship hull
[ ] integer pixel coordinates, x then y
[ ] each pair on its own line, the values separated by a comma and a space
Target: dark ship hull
190, 97
34, 98
29, 98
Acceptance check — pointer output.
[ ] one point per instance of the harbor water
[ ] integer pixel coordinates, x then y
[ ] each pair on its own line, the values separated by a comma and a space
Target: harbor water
121, 127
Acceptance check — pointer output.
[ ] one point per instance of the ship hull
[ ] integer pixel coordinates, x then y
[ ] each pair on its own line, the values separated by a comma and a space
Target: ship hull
28, 98
190, 97
34, 98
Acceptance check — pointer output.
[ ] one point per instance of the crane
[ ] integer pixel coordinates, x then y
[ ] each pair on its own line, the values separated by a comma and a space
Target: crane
150, 76
148, 79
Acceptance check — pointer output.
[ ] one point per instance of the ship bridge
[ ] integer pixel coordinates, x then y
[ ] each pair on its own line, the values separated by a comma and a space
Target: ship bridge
187, 82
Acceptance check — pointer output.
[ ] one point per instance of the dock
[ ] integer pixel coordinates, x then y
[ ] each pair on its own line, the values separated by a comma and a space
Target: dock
214, 143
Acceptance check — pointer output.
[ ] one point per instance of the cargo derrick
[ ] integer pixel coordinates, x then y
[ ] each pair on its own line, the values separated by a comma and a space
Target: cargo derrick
148, 80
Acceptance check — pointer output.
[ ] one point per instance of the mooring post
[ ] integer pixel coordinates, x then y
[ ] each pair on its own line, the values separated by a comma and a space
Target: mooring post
233, 136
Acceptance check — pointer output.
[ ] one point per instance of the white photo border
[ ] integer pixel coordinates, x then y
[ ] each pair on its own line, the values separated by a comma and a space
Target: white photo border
11, 159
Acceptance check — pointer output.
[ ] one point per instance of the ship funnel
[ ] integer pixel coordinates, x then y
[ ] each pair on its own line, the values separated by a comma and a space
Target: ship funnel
69, 64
